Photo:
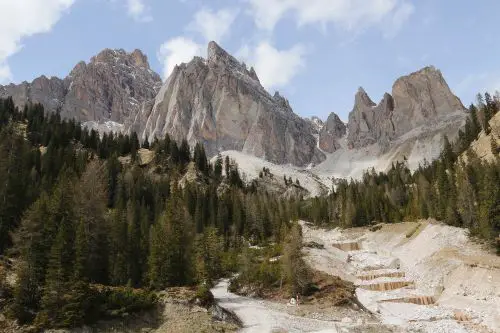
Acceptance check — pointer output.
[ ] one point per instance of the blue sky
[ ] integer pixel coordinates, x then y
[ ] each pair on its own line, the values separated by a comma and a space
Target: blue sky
315, 52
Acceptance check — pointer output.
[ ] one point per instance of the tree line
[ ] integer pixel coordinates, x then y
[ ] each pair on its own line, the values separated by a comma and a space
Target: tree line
94, 236
458, 188
82, 223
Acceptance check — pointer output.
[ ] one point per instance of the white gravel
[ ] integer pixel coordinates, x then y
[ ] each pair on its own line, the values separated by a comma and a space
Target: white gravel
257, 317
434, 258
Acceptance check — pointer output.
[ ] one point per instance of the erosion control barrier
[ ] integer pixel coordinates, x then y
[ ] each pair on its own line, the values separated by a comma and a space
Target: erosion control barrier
420, 300
386, 286
373, 276
347, 246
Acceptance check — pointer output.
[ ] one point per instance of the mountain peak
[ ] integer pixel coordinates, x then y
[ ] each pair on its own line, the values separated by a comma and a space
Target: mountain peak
217, 56
363, 98
282, 101
421, 98
427, 72
220, 102
139, 58
214, 49
135, 58
331, 133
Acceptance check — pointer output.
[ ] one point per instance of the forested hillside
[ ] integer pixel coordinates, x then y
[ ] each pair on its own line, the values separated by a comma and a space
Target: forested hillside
458, 188
91, 232
75, 220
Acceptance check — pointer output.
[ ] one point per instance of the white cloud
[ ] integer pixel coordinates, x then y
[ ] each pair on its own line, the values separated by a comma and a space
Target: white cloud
275, 68
24, 18
350, 15
176, 51
5, 73
139, 11
213, 25
398, 19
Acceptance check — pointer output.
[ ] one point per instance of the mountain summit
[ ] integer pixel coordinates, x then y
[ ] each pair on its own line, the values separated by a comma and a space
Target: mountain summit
417, 99
220, 102
111, 86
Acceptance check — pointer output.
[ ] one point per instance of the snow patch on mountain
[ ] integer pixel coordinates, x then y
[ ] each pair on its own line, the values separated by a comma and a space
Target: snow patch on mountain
250, 167
104, 127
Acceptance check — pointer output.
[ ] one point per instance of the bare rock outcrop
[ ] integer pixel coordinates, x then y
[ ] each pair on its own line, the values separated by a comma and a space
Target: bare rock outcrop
113, 85
49, 92
333, 130
219, 102
417, 100
110, 87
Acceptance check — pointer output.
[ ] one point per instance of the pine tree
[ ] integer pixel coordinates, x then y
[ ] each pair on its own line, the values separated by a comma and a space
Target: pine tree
58, 275
475, 126
296, 272
489, 202
209, 256
218, 167
134, 145
200, 158
170, 258
118, 252
114, 167
466, 197
145, 144
33, 241
13, 188
134, 245
184, 153
90, 208
447, 154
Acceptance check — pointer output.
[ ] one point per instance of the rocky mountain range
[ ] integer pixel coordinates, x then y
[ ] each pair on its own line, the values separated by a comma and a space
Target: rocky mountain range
111, 87
220, 102
417, 99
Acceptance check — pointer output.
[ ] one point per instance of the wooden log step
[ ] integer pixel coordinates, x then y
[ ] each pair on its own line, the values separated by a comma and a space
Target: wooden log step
367, 277
347, 246
386, 286
420, 300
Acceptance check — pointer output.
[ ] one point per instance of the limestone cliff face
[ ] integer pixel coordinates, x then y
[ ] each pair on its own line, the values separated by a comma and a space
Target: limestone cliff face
418, 99
111, 86
331, 132
219, 102
49, 92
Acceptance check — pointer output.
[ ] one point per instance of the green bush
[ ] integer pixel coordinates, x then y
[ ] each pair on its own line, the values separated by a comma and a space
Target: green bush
85, 305
204, 296
123, 301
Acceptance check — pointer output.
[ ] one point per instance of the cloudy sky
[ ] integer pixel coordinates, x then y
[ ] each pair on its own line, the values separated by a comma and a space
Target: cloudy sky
315, 52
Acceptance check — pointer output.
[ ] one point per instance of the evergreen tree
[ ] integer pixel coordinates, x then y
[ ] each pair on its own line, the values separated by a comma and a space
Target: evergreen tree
90, 206
296, 272
145, 144
218, 167
134, 145
58, 274
170, 258
13, 188
209, 256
